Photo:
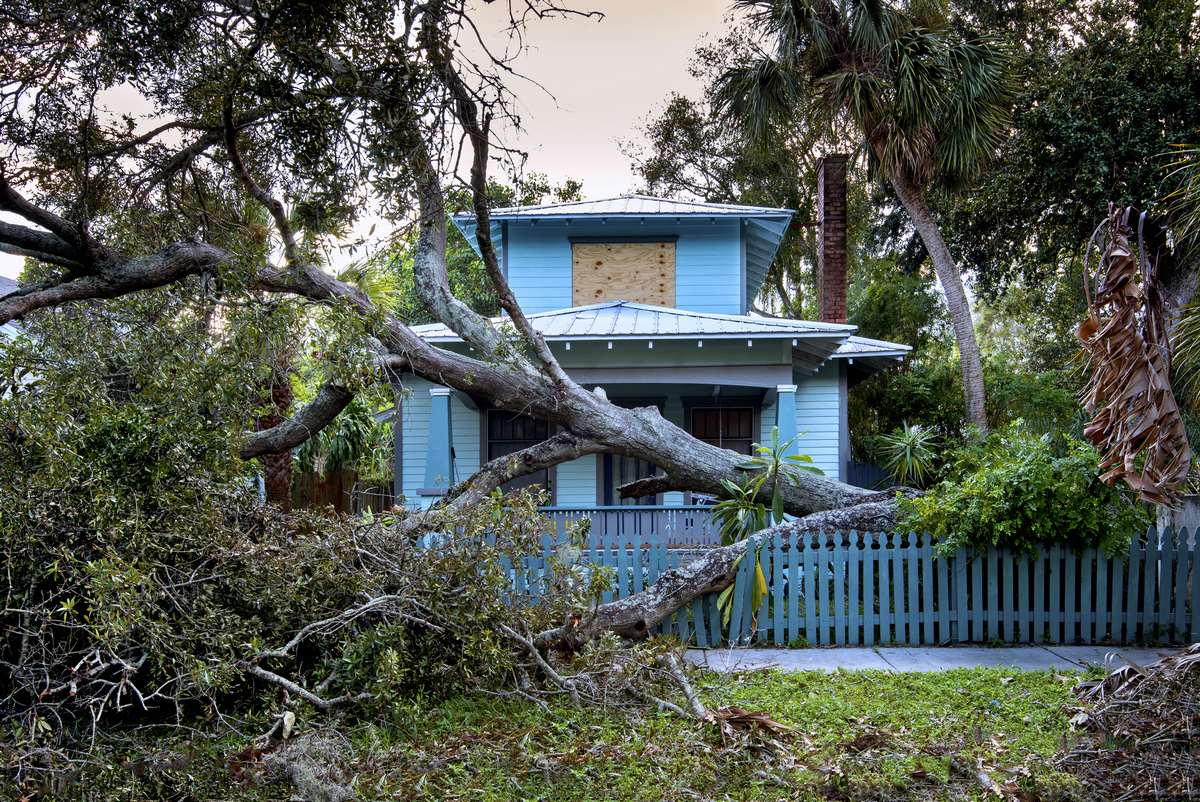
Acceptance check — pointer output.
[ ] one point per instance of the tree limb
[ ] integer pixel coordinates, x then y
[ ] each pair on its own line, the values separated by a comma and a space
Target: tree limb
314, 416
167, 266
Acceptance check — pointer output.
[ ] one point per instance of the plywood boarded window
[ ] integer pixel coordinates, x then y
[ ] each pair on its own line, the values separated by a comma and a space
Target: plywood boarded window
623, 271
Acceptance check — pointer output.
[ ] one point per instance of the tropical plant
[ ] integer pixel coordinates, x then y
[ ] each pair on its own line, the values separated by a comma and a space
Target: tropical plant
909, 453
740, 514
930, 103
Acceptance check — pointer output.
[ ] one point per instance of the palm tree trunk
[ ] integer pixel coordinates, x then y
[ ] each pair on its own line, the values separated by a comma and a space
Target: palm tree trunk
913, 200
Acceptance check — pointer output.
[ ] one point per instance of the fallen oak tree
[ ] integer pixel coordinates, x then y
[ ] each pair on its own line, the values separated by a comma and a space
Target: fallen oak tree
413, 99
409, 101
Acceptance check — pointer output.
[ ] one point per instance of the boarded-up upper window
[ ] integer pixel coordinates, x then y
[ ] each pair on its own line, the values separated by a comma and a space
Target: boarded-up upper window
624, 271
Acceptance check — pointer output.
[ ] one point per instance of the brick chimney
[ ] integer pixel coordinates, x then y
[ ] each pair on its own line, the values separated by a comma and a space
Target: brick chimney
831, 238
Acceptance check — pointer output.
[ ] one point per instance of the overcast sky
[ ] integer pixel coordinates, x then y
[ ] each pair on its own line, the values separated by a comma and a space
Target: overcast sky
601, 78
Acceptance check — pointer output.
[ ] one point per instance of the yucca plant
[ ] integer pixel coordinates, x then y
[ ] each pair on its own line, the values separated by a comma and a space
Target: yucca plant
929, 103
910, 453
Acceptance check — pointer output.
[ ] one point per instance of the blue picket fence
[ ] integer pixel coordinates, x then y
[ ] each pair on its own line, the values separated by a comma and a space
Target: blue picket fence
867, 588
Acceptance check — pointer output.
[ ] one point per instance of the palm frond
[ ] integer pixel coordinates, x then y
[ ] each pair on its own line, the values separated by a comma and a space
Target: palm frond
1183, 201
376, 279
758, 98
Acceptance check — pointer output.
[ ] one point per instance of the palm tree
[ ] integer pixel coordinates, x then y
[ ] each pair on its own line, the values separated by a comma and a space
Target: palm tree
929, 105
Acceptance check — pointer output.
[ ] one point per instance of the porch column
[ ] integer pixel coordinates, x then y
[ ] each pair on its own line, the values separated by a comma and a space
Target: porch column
785, 417
438, 458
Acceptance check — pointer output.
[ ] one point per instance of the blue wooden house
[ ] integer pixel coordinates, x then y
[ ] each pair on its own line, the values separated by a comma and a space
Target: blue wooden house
649, 299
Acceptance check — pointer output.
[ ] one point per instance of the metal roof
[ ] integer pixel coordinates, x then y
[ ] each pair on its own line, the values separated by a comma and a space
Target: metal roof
634, 206
763, 227
617, 320
865, 346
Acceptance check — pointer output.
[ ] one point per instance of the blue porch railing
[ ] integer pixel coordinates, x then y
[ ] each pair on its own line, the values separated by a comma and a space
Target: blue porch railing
676, 526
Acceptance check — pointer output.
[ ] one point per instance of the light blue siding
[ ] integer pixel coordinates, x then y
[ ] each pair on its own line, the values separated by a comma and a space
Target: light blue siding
818, 419
576, 482
708, 261
414, 433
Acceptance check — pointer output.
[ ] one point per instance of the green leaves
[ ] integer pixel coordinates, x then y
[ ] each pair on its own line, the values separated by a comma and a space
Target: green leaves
909, 453
1023, 491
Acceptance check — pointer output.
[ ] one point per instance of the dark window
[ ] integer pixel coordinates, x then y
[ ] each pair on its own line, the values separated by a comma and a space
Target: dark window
620, 470
508, 432
727, 427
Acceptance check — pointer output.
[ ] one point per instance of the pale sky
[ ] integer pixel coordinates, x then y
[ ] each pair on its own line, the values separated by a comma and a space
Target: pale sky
605, 77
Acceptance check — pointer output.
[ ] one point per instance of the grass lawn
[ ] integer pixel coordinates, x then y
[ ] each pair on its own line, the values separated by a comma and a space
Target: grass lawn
856, 736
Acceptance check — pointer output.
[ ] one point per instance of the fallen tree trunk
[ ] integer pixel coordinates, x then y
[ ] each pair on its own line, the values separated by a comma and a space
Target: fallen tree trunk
635, 617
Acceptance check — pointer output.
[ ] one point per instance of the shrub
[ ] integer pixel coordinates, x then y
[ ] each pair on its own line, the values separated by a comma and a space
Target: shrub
1023, 491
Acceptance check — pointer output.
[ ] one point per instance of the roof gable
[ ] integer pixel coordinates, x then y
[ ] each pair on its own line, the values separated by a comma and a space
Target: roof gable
762, 227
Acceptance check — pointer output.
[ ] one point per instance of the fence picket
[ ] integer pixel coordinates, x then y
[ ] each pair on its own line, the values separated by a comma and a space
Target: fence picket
1133, 597
1087, 571
942, 569
763, 618
636, 563
793, 589
810, 590
838, 597
914, 602
824, 619
960, 595
1182, 562
1102, 566
853, 605
738, 599
928, 618
868, 588
1149, 584
1194, 634
1070, 586
885, 597
977, 604
1021, 606
899, 609
1166, 573
992, 580
777, 588
1117, 614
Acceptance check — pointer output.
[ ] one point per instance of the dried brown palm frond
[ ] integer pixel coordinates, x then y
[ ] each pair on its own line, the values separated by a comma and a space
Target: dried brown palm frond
1136, 422
1138, 730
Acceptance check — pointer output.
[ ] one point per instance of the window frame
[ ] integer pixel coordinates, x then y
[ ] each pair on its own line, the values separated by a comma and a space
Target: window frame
485, 442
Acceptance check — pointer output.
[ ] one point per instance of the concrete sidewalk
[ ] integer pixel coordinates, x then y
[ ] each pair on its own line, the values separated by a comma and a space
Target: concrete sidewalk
944, 658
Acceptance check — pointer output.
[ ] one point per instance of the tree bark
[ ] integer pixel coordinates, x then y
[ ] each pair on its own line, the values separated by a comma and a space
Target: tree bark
950, 277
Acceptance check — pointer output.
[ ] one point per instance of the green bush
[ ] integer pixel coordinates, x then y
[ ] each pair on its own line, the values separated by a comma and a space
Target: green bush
1024, 491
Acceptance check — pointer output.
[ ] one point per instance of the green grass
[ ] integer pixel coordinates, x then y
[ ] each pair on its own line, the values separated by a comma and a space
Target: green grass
856, 736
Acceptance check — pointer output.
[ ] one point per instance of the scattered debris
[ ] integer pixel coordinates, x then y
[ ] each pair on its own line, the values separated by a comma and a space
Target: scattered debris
1140, 728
